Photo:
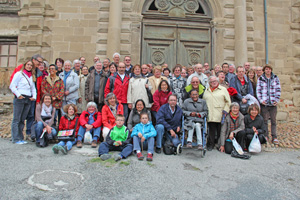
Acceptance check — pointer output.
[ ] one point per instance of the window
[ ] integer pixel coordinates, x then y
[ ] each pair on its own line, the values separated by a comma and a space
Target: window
8, 52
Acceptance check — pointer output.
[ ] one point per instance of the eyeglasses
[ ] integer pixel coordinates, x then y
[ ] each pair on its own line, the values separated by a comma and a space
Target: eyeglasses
120, 120
195, 82
51, 68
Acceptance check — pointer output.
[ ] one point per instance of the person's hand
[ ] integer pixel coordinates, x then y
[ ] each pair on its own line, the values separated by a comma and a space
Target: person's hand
119, 142
79, 100
172, 133
88, 127
147, 86
116, 143
48, 129
193, 114
140, 135
21, 97
255, 130
143, 139
264, 103
275, 104
53, 98
178, 129
32, 99
244, 100
222, 149
67, 93
130, 106
231, 136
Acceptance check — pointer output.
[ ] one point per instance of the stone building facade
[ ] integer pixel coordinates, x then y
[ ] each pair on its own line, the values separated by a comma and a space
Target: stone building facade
158, 31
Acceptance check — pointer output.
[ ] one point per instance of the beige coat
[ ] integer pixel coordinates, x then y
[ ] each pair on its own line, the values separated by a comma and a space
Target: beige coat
217, 101
137, 90
154, 83
81, 91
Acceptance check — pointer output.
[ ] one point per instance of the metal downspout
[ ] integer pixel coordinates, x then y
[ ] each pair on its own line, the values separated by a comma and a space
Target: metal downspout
266, 33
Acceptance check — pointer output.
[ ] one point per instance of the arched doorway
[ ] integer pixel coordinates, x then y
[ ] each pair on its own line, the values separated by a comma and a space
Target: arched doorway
176, 31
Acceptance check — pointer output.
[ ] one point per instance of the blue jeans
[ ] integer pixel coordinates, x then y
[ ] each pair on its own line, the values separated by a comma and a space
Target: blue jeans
175, 140
104, 148
64, 102
20, 112
39, 130
160, 129
96, 133
149, 143
68, 143
30, 118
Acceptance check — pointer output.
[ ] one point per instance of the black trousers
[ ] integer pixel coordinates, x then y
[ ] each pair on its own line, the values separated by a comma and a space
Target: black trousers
214, 129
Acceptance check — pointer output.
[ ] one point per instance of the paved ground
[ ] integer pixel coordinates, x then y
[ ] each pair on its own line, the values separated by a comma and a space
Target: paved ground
28, 172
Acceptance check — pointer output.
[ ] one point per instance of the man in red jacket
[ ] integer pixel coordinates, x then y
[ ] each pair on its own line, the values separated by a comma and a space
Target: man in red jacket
118, 84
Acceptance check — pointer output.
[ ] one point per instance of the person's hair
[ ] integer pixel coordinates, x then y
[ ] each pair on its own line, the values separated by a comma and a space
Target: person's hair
56, 68
36, 56
68, 61
225, 64
167, 69
137, 65
120, 116
109, 96
66, 108
91, 103
239, 67
144, 113
140, 100
234, 104
46, 64
177, 66
252, 107
172, 95
43, 98
190, 67
85, 67
114, 64
254, 78
115, 54
267, 66
97, 63
209, 78
193, 90
107, 59
216, 65
127, 57
60, 60
164, 81
219, 72
232, 65
156, 68
207, 72
76, 61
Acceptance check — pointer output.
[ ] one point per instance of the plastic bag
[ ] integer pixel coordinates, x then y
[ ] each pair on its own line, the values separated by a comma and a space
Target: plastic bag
88, 138
237, 147
255, 146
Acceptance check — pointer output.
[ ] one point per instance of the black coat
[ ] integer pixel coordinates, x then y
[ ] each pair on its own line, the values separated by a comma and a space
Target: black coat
258, 123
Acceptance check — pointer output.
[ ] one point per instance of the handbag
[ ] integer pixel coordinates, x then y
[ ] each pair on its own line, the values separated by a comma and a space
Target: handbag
67, 135
149, 94
255, 146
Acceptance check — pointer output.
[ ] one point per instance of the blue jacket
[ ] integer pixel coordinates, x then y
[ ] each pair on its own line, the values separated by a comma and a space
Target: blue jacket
236, 84
170, 121
147, 130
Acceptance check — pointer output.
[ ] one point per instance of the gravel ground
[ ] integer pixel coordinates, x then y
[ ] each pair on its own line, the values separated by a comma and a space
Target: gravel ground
28, 172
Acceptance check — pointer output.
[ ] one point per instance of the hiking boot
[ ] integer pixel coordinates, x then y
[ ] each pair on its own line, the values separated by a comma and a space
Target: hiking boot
105, 156
149, 157
79, 144
140, 156
94, 144
158, 150
200, 147
189, 145
55, 149
117, 157
275, 141
64, 149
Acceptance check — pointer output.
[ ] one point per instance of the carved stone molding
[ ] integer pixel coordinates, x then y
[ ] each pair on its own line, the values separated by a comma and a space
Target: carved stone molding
9, 6
194, 57
158, 57
188, 6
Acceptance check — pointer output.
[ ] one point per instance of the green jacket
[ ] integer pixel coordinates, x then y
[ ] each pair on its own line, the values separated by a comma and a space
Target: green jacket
118, 134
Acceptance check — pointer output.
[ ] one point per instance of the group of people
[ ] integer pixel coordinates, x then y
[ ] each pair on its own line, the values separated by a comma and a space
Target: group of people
131, 108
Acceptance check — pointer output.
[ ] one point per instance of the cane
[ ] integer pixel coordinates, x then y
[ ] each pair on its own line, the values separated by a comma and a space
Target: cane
142, 146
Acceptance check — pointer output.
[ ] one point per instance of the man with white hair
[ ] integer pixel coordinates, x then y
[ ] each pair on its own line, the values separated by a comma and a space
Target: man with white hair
198, 72
128, 65
76, 67
116, 58
259, 71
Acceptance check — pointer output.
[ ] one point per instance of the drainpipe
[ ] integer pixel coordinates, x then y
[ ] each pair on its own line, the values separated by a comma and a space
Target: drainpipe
266, 33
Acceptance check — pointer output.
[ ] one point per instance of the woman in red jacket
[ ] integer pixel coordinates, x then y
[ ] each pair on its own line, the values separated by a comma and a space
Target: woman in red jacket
67, 122
109, 111
160, 96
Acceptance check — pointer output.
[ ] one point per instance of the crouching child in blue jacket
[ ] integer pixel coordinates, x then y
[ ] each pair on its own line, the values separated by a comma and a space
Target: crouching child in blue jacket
144, 133
118, 139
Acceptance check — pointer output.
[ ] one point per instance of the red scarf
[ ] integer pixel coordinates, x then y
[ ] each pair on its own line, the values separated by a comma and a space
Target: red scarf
242, 81
212, 89
253, 118
233, 116
29, 74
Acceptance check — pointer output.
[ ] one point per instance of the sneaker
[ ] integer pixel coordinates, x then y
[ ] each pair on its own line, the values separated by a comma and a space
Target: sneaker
140, 156
200, 147
19, 142
158, 150
105, 157
64, 149
189, 145
55, 149
149, 157
275, 141
209, 148
79, 144
94, 144
24, 142
117, 157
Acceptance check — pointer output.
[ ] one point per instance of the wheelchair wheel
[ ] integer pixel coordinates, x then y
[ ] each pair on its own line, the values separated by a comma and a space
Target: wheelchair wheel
179, 149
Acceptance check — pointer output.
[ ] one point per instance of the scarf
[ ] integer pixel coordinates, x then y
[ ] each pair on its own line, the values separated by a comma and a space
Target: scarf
234, 123
253, 118
212, 89
233, 116
28, 73
178, 77
46, 111
113, 109
67, 74
71, 117
137, 76
91, 117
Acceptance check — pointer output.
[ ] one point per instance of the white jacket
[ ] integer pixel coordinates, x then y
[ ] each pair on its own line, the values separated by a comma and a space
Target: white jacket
137, 90
72, 85
22, 84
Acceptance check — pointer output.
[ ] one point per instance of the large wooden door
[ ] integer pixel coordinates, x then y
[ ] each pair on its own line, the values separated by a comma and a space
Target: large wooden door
175, 44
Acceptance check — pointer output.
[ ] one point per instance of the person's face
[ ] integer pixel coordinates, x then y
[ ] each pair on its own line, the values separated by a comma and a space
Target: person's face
52, 71
36, 62
157, 73
59, 64
144, 69
217, 69
259, 71
144, 119
268, 71
127, 61
195, 83
231, 69
91, 109
251, 74
183, 73
116, 59
112, 101
67, 67
213, 82
166, 73
41, 67
98, 67
121, 68
112, 69
82, 60
206, 66
253, 113
137, 70
190, 71
177, 72
198, 69
225, 68
28, 66
240, 72
194, 96
84, 71
96, 59
120, 121
105, 63
221, 77
77, 66
139, 106
164, 86
47, 100
172, 101
247, 66
71, 111
235, 110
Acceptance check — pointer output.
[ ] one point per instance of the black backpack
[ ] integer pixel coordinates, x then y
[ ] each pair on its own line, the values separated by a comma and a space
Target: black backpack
169, 148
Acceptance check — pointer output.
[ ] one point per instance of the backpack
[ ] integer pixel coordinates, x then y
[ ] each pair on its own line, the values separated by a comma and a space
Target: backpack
169, 148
